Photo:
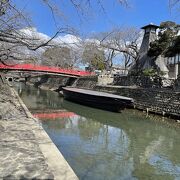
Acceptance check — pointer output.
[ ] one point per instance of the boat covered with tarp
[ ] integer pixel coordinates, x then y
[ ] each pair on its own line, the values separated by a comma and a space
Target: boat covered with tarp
97, 99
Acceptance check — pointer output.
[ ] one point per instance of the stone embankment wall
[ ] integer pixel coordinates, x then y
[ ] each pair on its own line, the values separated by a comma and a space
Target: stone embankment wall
88, 82
26, 151
135, 81
142, 81
160, 101
157, 100
56, 82
51, 81
177, 83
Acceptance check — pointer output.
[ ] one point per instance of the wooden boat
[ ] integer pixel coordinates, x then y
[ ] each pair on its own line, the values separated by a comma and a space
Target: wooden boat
97, 99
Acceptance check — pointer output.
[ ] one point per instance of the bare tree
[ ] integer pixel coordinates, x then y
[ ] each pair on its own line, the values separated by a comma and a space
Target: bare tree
123, 41
12, 39
173, 3
59, 56
12, 20
109, 60
93, 56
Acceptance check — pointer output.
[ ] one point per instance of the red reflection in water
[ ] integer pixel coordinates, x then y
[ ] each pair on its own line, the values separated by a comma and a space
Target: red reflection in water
54, 115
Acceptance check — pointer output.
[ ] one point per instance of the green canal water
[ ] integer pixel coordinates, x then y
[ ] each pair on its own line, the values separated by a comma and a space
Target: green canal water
104, 145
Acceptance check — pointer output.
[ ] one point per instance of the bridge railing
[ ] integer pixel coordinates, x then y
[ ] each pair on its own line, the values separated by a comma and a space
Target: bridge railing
31, 67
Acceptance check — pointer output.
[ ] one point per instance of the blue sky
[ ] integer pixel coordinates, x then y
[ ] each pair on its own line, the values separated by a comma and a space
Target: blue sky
140, 13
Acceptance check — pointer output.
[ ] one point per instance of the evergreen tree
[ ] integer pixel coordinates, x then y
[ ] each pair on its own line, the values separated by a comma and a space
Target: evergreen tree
168, 41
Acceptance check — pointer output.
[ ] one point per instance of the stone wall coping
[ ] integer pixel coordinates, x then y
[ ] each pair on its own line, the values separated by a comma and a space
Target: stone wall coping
141, 88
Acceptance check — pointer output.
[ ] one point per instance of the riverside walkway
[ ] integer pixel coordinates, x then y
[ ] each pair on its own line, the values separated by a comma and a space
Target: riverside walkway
26, 151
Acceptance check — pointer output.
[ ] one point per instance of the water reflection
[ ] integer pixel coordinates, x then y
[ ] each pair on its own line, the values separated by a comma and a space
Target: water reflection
53, 115
105, 145
37, 99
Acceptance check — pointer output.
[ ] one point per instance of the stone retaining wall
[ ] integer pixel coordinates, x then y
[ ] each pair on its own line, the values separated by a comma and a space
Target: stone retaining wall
160, 101
157, 100
177, 83
86, 82
49, 81
141, 81
56, 82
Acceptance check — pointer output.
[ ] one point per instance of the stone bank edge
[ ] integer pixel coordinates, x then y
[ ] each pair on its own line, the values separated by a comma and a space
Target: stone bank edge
53, 157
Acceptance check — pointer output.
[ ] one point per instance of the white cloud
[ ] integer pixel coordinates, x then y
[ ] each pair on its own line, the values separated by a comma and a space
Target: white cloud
67, 39
33, 33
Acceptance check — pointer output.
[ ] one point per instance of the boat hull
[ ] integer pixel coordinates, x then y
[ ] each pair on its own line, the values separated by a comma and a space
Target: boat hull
102, 102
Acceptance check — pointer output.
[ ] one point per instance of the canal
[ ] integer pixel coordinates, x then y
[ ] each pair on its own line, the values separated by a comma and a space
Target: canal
104, 145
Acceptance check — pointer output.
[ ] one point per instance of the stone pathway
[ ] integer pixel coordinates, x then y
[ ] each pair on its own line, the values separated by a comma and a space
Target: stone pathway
20, 153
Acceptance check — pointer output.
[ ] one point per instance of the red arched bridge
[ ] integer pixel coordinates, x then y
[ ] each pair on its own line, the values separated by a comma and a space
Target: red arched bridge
45, 70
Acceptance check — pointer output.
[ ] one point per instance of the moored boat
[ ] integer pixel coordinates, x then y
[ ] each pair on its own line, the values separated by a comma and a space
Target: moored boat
97, 99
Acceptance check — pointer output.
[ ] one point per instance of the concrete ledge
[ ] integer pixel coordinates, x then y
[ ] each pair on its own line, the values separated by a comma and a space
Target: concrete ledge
56, 162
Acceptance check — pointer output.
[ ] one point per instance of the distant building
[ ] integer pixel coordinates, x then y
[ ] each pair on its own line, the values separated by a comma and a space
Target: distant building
173, 66
119, 70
